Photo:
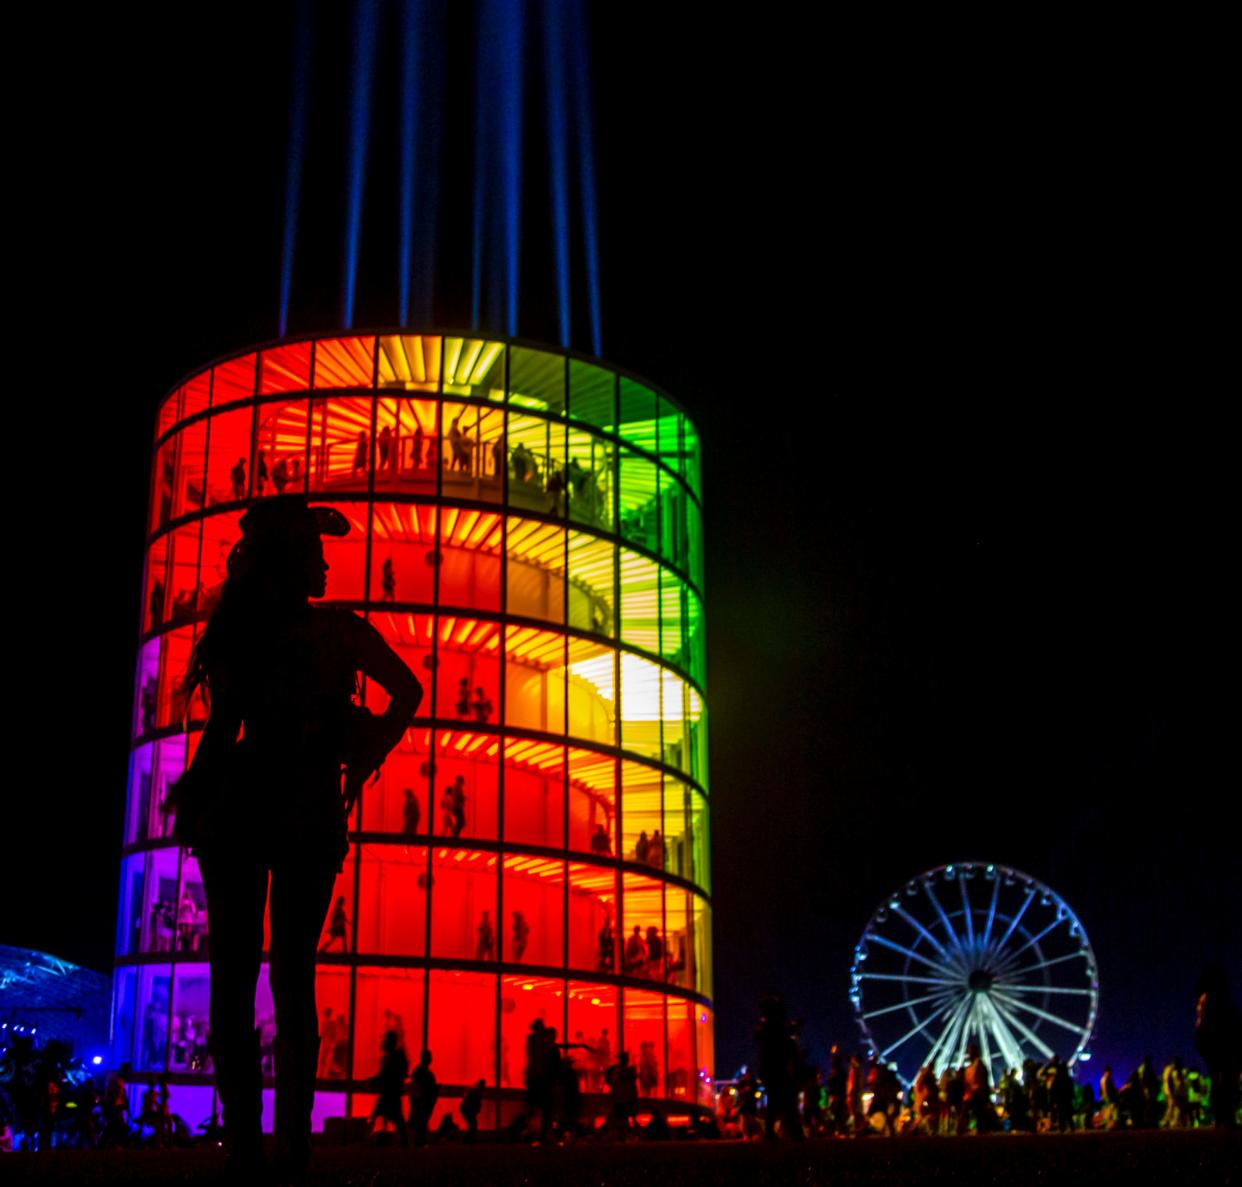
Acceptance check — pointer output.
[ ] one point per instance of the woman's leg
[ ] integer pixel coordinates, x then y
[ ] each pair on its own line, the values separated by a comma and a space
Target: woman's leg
301, 894
236, 888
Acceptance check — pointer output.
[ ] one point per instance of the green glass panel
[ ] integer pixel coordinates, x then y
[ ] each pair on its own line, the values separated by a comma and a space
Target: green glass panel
691, 458
674, 539
696, 637
592, 395
535, 452
673, 619
589, 479
694, 535
638, 500
638, 415
668, 433
537, 380
700, 841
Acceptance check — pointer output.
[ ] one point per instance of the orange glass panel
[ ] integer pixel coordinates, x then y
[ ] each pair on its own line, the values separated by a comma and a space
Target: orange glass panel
461, 1035
534, 910
535, 679
535, 581
285, 369
340, 437
410, 361
280, 460
233, 381
681, 1065
592, 802
534, 792
344, 362
705, 1054
468, 669
470, 543
642, 839
643, 947
592, 1031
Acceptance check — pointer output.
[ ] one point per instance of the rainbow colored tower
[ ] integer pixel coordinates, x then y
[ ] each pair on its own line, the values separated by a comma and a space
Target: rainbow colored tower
527, 534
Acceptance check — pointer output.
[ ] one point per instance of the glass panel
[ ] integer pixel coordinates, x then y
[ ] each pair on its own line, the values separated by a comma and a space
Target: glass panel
696, 730
534, 792
674, 540
154, 587
189, 470
168, 414
146, 702
592, 571
468, 669
637, 501
536, 570
537, 380
534, 679
592, 1028
463, 904
536, 452
163, 483
281, 445
681, 1069
700, 835
588, 479
332, 998
169, 764
407, 446
534, 906
400, 801
640, 622
523, 1002
644, 1039
340, 443
672, 619
124, 987
473, 452
344, 362
154, 994
641, 839
643, 945
191, 909
640, 705
188, 1044
592, 918
592, 802
468, 779
592, 394
182, 605
138, 798
668, 433
170, 704
347, 557
197, 395
470, 544
673, 710
285, 369
392, 912
132, 911
220, 533
388, 1000
692, 458
403, 553
473, 367
461, 1026
676, 847
410, 636
233, 381
705, 1050
688, 924
591, 691
694, 535
410, 361
638, 415
696, 637
338, 931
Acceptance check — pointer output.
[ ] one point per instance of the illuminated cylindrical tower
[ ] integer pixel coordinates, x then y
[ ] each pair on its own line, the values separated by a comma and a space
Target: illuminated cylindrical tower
527, 535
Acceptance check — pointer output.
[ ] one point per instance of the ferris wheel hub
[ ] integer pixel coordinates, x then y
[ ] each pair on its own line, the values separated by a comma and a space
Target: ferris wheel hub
981, 980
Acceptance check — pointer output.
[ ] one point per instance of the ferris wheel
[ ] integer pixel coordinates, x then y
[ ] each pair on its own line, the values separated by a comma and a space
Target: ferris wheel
974, 953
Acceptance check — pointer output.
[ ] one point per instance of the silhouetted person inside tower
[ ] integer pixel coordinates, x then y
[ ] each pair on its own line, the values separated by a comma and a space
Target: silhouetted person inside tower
360, 453
411, 813
384, 441
338, 927
485, 948
388, 581
1218, 1038
237, 475
280, 475
282, 672
260, 473
416, 448
521, 935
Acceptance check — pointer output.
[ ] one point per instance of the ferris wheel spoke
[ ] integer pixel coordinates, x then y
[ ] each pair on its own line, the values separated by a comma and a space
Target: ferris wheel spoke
883, 941
983, 1028
922, 1026
950, 983
1010, 1047
914, 1001
1020, 1026
954, 938
1055, 1019
970, 925
1033, 940
972, 1019
918, 927
1043, 964
943, 1041
1005, 987
1013, 923
987, 931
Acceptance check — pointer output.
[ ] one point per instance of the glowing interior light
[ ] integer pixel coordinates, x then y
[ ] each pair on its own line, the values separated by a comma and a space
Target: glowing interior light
491, 352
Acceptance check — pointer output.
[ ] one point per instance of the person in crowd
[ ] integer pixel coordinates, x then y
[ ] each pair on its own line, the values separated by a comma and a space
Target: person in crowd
327, 1043
635, 951
1149, 1081
606, 948
485, 946
458, 792
388, 581
463, 697
953, 1094
237, 476
260, 473
416, 447
778, 1059
338, 927
384, 441
655, 954
116, 1128
389, 1083
498, 456
641, 847
1218, 1039
1084, 1105
280, 475
622, 1081
187, 914
521, 935
977, 1094
411, 813
360, 453
601, 843
1060, 1094
285, 753
655, 850
482, 706
470, 1108
926, 1100
648, 1069
1108, 1100
838, 1078
424, 1092
540, 1068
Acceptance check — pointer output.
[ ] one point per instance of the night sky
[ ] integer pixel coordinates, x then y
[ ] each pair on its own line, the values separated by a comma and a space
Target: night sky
949, 309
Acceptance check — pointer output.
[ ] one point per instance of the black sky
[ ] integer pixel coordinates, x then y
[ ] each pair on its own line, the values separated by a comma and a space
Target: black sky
952, 310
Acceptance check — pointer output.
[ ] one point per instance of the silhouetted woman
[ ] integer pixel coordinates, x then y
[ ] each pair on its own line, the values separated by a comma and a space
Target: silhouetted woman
285, 672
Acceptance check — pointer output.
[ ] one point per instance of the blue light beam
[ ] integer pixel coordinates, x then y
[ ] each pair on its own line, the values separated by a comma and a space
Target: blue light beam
411, 102
558, 133
363, 76
579, 50
298, 103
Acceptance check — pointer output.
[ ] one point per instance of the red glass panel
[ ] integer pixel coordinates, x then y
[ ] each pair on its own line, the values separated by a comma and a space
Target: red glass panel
592, 918
189, 471
403, 553
155, 602
470, 543
340, 439
388, 1000
344, 362
644, 1038
228, 465
592, 802
466, 783
534, 792
524, 1001
332, 1001
196, 395
233, 381
392, 908
681, 1066
461, 1035
468, 670
534, 910
386, 807
220, 533
280, 463
337, 935
169, 412
285, 369
463, 904
347, 557
410, 636
592, 1029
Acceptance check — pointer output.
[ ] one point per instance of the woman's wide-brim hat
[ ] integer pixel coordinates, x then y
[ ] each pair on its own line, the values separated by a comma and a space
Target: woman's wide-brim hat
281, 520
